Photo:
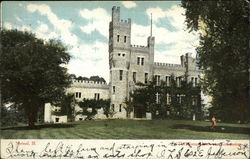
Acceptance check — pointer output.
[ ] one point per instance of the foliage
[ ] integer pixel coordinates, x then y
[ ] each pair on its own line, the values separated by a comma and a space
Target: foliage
94, 104
92, 78
128, 106
66, 106
11, 115
180, 107
223, 54
32, 71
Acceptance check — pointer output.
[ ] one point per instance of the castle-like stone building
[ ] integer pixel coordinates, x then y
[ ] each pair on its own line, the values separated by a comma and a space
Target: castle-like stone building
128, 65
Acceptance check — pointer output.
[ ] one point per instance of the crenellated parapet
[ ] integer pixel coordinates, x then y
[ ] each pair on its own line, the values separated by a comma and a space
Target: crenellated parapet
89, 84
127, 21
168, 66
139, 48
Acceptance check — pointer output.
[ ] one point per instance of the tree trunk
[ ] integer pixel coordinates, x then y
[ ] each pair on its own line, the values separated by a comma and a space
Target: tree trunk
32, 119
31, 112
242, 103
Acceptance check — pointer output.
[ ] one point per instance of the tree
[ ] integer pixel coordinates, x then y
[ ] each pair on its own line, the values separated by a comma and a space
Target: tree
66, 105
94, 104
223, 54
167, 101
32, 71
128, 106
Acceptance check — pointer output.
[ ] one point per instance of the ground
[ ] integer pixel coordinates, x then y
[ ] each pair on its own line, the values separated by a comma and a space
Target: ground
129, 129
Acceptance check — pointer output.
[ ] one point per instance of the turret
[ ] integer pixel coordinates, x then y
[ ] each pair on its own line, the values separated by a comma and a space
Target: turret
119, 60
115, 14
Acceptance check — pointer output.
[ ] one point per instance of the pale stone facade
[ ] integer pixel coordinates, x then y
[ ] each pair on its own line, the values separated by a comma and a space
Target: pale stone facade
130, 64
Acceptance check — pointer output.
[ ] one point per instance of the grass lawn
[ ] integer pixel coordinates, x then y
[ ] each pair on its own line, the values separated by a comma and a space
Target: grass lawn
129, 129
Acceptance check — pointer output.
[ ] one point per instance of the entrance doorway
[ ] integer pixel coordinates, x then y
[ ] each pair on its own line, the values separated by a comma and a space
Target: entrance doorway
140, 111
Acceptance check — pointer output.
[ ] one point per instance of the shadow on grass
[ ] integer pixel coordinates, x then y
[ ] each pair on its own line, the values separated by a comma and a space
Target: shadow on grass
219, 129
38, 127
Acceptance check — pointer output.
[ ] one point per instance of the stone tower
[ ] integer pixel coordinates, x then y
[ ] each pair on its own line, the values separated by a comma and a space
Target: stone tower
119, 61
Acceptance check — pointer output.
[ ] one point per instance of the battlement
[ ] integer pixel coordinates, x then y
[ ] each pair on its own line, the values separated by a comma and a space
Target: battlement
115, 8
89, 84
139, 48
88, 81
168, 66
126, 21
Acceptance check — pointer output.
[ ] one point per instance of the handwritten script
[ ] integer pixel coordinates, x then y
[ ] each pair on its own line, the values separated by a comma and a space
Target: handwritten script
129, 149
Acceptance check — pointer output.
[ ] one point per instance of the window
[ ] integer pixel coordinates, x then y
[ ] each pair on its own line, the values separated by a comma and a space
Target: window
142, 61
78, 95
157, 98
119, 54
138, 60
178, 81
168, 99
118, 36
120, 108
113, 89
97, 96
194, 101
121, 74
168, 80
113, 107
196, 82
123, 55
134, 77
192, 81
178, 98
157, 78
125, 39
146, 77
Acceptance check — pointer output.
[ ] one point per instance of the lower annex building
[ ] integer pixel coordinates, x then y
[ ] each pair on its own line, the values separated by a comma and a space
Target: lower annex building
128, 64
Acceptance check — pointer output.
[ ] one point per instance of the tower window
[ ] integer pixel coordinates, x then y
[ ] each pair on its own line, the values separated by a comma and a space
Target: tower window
146, 77
78, 95
123, 55
142, 61
138, 60
113, 89
119, 54
125, 39
121, 74
120, 108
97, 96
118, 36
134, 77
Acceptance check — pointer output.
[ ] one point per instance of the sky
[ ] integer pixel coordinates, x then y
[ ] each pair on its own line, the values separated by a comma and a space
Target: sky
82, 26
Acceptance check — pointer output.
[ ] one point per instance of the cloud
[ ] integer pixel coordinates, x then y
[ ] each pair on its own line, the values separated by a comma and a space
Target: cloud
7, 25
61, 25
43, 28
129, 4
19, 19
92, 55
157, 13
174, 15
178, 42
98, 21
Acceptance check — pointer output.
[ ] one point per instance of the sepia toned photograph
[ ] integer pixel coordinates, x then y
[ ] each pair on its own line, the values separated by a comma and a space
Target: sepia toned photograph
167, 71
